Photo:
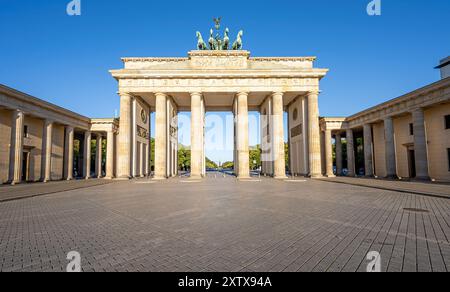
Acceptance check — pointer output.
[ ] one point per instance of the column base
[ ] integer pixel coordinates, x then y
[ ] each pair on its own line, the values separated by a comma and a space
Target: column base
108, 178
124, 178
159, 178
280, 177
330, 176
195, 177
316, 176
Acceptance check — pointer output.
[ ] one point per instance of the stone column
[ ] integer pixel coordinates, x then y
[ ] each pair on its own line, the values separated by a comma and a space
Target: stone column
329, 154
134, 150
278, 136
350, 153
368, 150
68, 153
242, 124
124, 150
315, 161
161, 136
196, 135
142, 160
338, 154
110, 155
420, 145
47, 145
391, 165
87, 155
16, 150
99, 156
147, 160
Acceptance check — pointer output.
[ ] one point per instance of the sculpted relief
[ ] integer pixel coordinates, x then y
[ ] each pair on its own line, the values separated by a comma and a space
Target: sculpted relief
180, 85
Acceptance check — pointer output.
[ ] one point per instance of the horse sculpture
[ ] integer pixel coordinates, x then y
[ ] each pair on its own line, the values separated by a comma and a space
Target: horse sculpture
212, 41
201, 45
237, 45
226, 40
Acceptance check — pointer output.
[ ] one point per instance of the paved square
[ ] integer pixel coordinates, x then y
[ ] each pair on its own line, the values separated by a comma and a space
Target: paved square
225, 225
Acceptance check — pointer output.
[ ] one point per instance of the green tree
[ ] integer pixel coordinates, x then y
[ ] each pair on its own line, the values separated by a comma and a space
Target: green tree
211, 164
184, 158
255, 157
228, 165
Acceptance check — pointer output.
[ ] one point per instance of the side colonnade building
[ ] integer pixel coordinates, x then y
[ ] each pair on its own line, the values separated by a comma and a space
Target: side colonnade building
41, 142
407, 137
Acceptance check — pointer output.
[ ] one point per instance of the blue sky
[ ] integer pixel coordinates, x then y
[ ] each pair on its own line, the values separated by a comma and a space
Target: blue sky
65, 60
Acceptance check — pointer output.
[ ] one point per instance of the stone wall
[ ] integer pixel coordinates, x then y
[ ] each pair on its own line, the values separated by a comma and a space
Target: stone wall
438, 142
5, 142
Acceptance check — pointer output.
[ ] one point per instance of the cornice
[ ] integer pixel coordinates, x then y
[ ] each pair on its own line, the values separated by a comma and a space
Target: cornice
283, 59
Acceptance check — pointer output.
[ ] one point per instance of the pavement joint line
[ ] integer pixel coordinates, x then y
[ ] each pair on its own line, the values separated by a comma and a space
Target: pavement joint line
388, 189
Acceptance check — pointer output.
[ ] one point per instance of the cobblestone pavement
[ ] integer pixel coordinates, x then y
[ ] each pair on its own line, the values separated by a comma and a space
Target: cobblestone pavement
424, 188
225, 225
9, 193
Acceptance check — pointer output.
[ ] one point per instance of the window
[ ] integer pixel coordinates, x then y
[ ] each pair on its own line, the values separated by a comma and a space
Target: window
447, 122
448, 158
25, 132
411, 129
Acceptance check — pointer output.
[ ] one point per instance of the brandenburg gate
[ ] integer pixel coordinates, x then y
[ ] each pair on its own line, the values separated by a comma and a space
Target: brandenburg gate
218, 78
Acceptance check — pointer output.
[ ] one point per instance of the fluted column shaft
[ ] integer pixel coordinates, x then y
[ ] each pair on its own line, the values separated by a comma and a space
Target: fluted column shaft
197, 134
315, 160
99, 156
278, 136
68, 153
16, 150
125, 137
391, 165
368, 151
110, 155
161, 136
329, 154
87, 155
350, 153
142, 160
47, 151
420, 145
243, 144
338, 154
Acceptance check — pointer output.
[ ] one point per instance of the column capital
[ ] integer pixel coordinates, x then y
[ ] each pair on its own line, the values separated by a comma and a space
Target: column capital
417, 110
196, 93
18, 111
313, 92
124, 94
161, 94
70, 128
242, 93
49, 122
277, 93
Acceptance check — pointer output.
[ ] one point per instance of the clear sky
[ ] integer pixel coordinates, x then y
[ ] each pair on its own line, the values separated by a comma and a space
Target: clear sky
65, 60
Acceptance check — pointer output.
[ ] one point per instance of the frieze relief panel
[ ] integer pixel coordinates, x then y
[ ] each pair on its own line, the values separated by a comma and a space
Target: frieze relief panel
185, 84
143, 133
219, 63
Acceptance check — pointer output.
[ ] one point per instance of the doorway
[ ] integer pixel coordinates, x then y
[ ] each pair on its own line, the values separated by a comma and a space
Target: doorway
412, 163
25, 166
